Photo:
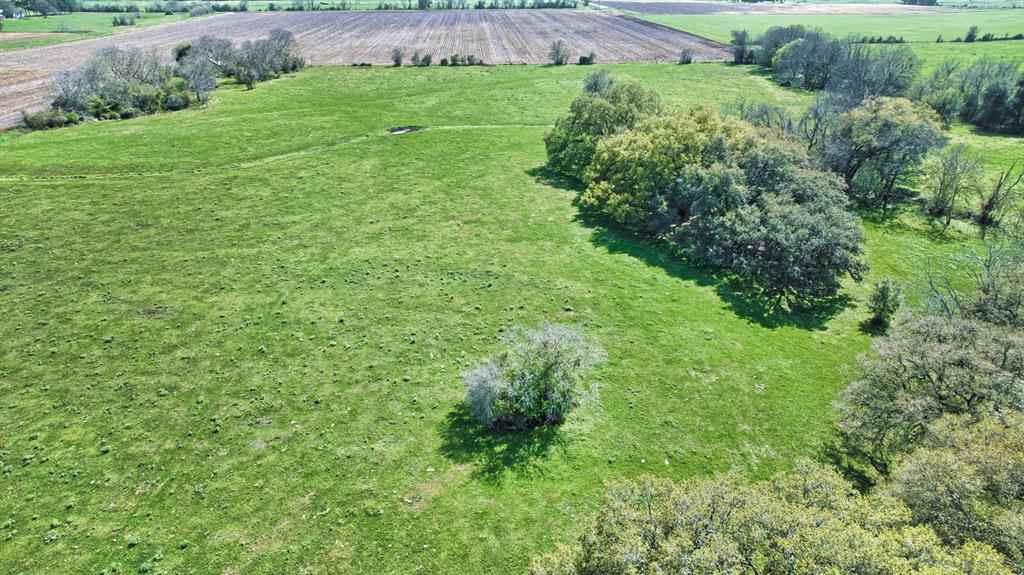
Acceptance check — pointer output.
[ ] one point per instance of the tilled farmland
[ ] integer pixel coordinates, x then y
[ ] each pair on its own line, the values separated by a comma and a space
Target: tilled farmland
341, 38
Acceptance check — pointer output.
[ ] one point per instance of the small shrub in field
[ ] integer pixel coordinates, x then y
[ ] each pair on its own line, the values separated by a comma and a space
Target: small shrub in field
588, 59
444, 61
415, 58
886, 300
49, 118
686, 56
559, 53
536, 381
426, 59
397, 55
598, 82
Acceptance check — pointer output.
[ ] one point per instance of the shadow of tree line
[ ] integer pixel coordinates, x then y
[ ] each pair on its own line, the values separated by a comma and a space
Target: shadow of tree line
742, 299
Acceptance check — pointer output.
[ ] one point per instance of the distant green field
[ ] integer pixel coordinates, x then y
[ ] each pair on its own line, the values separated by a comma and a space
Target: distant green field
233, 335
81, 25
912, 27
990, 4
933, 54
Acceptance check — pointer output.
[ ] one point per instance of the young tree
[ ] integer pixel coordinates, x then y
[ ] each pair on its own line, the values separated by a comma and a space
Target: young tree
809, 62
952, 174
869, 72
742, 53
972, 34
886, 299
201, 76
940, 91
1000, 197
875, 144
397, 55
985, 76
559, 53
536, 381
598, 82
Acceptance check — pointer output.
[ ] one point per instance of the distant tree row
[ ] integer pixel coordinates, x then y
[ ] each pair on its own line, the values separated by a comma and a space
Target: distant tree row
121, 83
988, 93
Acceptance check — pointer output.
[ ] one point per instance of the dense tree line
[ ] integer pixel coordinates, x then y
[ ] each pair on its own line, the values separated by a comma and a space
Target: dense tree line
120, 83
714, 189
988, 93
938, 414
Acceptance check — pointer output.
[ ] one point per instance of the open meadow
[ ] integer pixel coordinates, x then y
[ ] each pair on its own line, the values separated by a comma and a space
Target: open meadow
238, 347
234, 336
38, 31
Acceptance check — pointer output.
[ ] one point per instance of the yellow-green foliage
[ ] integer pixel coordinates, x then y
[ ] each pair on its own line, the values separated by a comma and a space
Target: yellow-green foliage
968, 482
630, 169
810, 521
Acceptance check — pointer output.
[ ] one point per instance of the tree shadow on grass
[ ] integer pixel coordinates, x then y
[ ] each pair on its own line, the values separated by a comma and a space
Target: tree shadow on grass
743, 300
496, 453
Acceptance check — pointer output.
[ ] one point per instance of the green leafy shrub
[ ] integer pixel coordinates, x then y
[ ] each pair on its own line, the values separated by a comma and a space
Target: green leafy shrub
49, 118
536, 381
598, 82
886, 299
572, 142
559, 53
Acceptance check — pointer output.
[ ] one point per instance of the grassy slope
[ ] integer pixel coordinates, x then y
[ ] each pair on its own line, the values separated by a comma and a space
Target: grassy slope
932, 54
263, 310
82, 24
914, 28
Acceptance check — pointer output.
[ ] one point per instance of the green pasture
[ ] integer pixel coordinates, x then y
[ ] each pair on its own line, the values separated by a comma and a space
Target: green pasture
233, 336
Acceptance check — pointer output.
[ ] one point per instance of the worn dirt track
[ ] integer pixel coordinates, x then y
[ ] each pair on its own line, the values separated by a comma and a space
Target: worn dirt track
341, 38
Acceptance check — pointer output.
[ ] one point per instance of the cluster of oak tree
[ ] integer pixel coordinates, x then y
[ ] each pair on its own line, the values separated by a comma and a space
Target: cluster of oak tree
936, 420
715, 189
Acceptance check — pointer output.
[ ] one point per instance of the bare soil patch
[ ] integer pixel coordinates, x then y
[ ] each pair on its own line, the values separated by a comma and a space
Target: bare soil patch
344, 38
710, 7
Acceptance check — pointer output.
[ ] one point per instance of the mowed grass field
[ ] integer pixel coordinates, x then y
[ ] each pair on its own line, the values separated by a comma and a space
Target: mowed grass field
81, 25
912, 27
233, 336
